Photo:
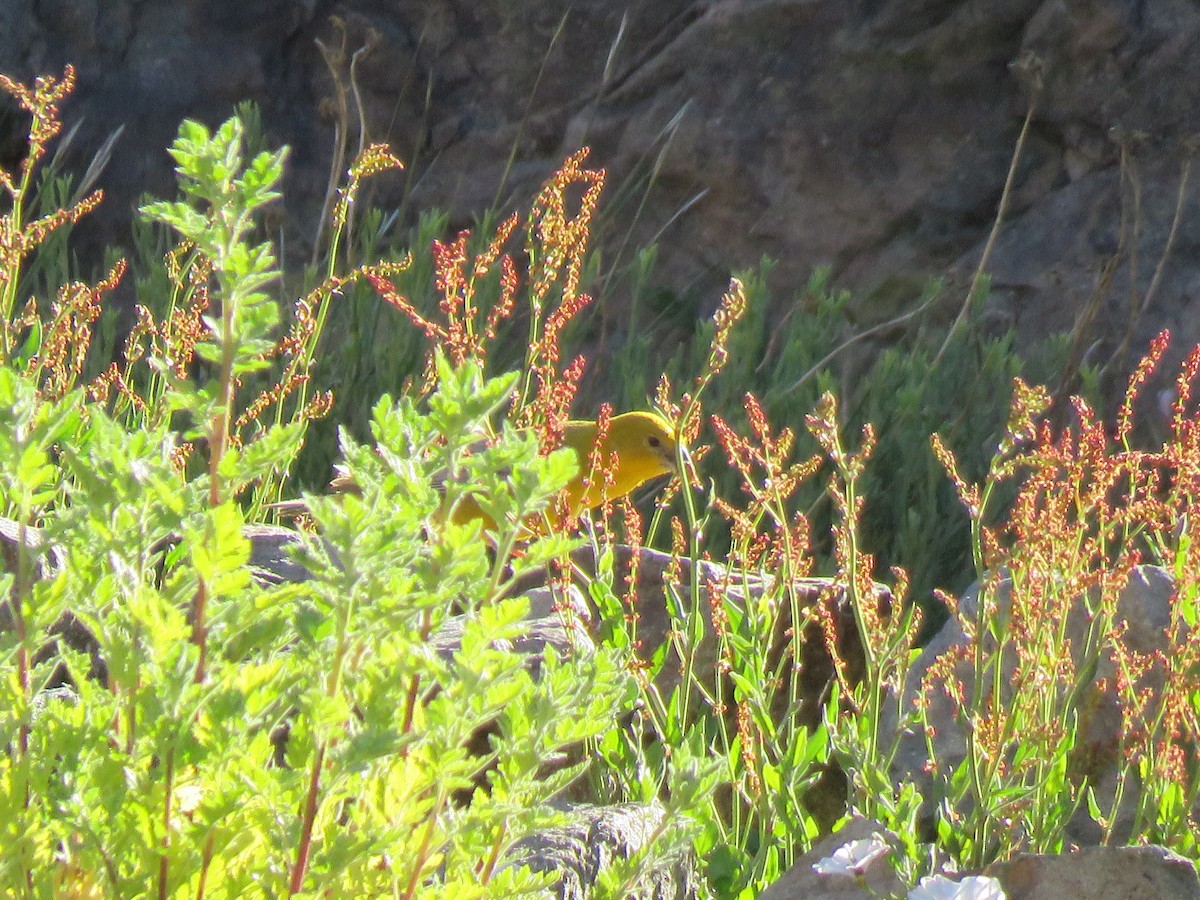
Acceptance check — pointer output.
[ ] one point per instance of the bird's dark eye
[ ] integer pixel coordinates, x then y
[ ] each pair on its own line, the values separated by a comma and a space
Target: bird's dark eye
653, 442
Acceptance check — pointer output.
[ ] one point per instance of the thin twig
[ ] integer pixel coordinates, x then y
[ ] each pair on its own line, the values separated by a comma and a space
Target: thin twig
1156, 279
99, 162
333, 60
875, 329
537, 82
356, 92
1001, 209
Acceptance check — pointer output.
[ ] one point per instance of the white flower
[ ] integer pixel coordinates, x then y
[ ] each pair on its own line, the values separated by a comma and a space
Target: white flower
973, 887
853, 858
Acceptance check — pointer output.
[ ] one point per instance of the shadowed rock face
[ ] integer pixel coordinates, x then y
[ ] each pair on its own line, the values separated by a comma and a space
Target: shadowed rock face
873, 136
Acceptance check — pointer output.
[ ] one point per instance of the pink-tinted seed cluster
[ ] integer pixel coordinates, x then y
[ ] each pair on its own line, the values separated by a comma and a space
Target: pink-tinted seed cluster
1087, 510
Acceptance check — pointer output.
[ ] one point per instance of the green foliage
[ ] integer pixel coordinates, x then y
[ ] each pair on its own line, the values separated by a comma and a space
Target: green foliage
216, 217
370, 349
153, 778
905, 391
242, 735
911, 519
785, 360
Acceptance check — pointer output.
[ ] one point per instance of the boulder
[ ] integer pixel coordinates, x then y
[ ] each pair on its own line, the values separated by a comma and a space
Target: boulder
874, 877
1099, 873
594, 838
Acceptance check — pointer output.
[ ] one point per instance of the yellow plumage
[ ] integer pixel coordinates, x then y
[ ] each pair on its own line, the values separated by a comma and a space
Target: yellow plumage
638, 446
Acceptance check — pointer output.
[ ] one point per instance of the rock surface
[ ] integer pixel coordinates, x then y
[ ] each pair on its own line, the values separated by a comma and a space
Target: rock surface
597, 836
652, 597
544, 631
874, 137
45, 561
876, 879
271, 555
1100, 873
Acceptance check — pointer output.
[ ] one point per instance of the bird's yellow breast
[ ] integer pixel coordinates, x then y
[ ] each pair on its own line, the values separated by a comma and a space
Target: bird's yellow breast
638, 446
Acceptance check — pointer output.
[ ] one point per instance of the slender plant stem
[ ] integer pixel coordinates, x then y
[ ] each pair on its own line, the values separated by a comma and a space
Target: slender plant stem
168, 790
308, 819
1001, 211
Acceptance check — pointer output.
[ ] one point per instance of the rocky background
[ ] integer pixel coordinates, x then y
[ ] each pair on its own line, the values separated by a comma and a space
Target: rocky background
870, 135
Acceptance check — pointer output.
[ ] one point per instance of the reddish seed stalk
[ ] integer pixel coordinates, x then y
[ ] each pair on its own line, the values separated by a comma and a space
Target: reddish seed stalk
410, 702
423, 852
199, 635
306, 827
20, 588
168, 787
205, 863
493, 856
410, 706
130, 714
218, 441
23, 676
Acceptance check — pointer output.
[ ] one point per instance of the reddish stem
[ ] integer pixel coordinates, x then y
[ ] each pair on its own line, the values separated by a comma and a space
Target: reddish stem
306, 829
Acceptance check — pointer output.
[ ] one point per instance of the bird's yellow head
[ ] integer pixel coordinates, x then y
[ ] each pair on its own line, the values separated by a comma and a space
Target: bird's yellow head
639, 446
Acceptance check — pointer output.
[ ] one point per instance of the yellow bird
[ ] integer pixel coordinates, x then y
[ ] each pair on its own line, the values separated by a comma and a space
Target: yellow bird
638, 447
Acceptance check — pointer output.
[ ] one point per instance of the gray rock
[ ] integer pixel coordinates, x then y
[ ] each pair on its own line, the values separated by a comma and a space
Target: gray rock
545, 630
1099, 873
595, 837
659, 583
876, 879
272, 554
46, 560
1144, 605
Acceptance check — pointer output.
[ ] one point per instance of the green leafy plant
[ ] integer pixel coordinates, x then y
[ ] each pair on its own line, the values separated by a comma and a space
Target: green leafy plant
217, 733
184, 782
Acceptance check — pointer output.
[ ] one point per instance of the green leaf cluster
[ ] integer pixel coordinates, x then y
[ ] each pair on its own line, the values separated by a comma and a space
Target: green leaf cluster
333, 715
